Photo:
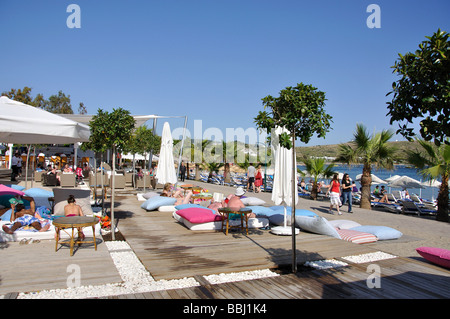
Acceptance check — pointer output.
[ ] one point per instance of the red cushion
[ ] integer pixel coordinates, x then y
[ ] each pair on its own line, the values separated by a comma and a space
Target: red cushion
198, 215
438, 256
356, 237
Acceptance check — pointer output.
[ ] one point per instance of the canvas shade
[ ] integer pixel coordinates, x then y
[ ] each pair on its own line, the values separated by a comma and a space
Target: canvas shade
166, 169
24, 124
405, 182
282, 180
375, 179
5, 190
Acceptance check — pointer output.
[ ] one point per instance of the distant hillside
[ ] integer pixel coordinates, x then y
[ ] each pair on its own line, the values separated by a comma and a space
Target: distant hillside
333, 150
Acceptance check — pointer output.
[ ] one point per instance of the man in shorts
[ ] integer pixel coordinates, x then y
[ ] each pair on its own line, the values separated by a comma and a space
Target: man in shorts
24, 217
251, 177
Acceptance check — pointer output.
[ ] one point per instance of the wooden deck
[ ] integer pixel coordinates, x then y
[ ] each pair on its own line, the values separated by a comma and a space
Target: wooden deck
36, 266
169, 250
400, 278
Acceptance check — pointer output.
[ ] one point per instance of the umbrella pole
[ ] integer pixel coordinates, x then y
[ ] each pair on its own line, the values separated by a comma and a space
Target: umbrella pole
294, 175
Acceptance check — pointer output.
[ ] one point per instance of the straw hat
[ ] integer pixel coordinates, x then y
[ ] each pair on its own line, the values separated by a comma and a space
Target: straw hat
239, 191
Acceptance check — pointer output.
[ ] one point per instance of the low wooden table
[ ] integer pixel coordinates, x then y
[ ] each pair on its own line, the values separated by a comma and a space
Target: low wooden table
73, 222
243, 212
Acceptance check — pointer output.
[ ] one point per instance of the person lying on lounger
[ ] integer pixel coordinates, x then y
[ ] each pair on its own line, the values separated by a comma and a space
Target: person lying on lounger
168, 191
25, 217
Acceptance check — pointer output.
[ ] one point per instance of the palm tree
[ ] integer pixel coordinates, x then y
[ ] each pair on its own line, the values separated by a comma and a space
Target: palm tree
369, 150
433, 162
213, 167
315, 167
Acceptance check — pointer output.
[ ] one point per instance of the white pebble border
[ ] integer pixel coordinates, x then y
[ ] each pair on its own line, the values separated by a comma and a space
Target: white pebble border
325, 264
136, 279
240, 276
370, 257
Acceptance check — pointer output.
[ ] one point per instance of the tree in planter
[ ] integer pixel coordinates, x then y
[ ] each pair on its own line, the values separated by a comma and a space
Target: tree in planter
423, 91
368, 150
434, 162
144, 142
111, 131
301, 111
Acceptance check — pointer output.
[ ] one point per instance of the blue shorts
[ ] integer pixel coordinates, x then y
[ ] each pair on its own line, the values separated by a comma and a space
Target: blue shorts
26, 220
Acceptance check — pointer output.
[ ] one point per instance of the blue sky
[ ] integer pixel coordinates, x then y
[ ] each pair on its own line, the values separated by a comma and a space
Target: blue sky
214, 60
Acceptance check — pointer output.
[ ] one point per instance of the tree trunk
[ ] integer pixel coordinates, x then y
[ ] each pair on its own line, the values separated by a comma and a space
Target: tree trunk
442, 201
197, 172
314, 191
227, 173
366, 181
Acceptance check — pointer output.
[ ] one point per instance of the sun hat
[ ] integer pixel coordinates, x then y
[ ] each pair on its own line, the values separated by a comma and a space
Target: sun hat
239, 191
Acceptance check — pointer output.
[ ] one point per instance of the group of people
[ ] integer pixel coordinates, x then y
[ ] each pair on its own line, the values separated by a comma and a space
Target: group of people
254, 178
22, 217
338, 190
232, 201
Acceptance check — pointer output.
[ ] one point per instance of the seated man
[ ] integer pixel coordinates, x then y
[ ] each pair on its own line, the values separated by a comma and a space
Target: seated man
234, 201
24, 217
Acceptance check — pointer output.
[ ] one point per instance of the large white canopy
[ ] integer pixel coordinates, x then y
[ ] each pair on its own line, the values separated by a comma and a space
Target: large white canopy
24, 124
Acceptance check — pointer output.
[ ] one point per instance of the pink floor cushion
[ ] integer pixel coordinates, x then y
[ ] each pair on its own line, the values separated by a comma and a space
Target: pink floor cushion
356, 237
438, 256
198, 215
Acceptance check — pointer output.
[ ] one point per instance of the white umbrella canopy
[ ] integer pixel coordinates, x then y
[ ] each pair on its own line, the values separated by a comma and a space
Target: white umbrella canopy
405, 182
282, 181
390, 179
375, 179
166, 169
24, 124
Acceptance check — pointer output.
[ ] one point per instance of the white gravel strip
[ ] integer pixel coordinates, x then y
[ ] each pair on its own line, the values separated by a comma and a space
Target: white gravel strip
325, 264
240, 276
136, 279
370, 257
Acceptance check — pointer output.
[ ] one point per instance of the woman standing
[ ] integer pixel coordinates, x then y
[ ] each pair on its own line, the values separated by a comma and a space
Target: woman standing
334, 190
347, 187
258, 180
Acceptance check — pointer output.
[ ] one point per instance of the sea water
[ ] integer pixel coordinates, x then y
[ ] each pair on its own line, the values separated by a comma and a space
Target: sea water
401, 170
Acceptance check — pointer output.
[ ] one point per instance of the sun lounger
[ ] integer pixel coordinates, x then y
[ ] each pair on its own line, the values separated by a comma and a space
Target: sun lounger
410, 207
391, 207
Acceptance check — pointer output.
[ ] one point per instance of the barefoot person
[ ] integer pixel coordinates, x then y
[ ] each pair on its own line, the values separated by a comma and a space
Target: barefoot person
168, 191
72, 209
24, 217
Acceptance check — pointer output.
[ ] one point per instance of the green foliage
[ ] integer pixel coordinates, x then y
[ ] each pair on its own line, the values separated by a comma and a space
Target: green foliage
315, 167
110, 130
369, 150
59, 103
144, 141
434, 163
423, 91
299, 109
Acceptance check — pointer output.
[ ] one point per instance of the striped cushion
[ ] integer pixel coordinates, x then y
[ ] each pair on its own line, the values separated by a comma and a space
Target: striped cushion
356, 237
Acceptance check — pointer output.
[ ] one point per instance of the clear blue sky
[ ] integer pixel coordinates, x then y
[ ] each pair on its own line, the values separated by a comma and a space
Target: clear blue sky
214, 60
